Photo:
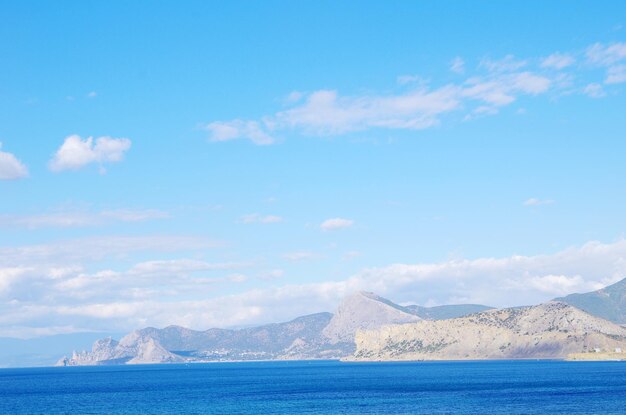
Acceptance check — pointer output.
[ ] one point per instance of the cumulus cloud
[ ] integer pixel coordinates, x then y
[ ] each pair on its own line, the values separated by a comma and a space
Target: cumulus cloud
558, 61
163, 292
75, 219
76, 152
257, 218
336, 224
538, 202
10, 167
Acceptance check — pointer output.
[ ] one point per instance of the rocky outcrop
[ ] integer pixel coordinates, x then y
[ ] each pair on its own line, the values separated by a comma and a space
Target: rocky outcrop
135, 351
547, 331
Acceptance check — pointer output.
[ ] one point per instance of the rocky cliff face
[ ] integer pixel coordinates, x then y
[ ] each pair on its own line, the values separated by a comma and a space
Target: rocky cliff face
551, 330
444, 312
608, 303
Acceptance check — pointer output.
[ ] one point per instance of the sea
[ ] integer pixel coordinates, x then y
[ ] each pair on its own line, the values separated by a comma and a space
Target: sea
320, 387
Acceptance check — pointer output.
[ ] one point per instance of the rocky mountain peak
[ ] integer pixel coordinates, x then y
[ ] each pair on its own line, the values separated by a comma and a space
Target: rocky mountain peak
364, 310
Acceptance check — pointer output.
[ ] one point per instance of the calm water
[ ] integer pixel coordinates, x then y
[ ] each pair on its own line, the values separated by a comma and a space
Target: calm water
320, 388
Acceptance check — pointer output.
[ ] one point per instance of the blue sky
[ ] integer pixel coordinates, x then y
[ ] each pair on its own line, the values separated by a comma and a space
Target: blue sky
251, 162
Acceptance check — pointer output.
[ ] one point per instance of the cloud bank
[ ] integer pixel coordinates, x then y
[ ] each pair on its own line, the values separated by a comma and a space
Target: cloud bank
36, 292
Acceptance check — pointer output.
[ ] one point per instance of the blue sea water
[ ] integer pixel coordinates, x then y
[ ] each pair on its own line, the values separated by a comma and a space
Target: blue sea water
314, 387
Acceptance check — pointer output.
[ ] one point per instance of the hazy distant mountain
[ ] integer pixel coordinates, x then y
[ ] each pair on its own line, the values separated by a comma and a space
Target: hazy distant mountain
300, 338
551, 330
608, 303
364, 310
443, 312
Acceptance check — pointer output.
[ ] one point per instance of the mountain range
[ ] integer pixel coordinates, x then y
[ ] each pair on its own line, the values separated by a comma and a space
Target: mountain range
316, 336
367, 326
608, 303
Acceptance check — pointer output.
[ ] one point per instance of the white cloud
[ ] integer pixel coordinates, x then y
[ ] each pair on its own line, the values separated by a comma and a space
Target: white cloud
293, 97
418, 105
97, 248
514, 280
257, 218
600, 54
10, 167
558, 61
503, 89
76, 153
410, 79
336, 223
609, 56
507, 64
75, 219
236, 129
151, 279
272, 275
351, 255
557, 285
457, 65
297, 256
326, 112
594, 90
9, 275
615, 74
92, 94
538, 202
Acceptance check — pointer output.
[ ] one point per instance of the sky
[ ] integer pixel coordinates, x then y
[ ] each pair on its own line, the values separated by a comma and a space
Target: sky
227, 164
